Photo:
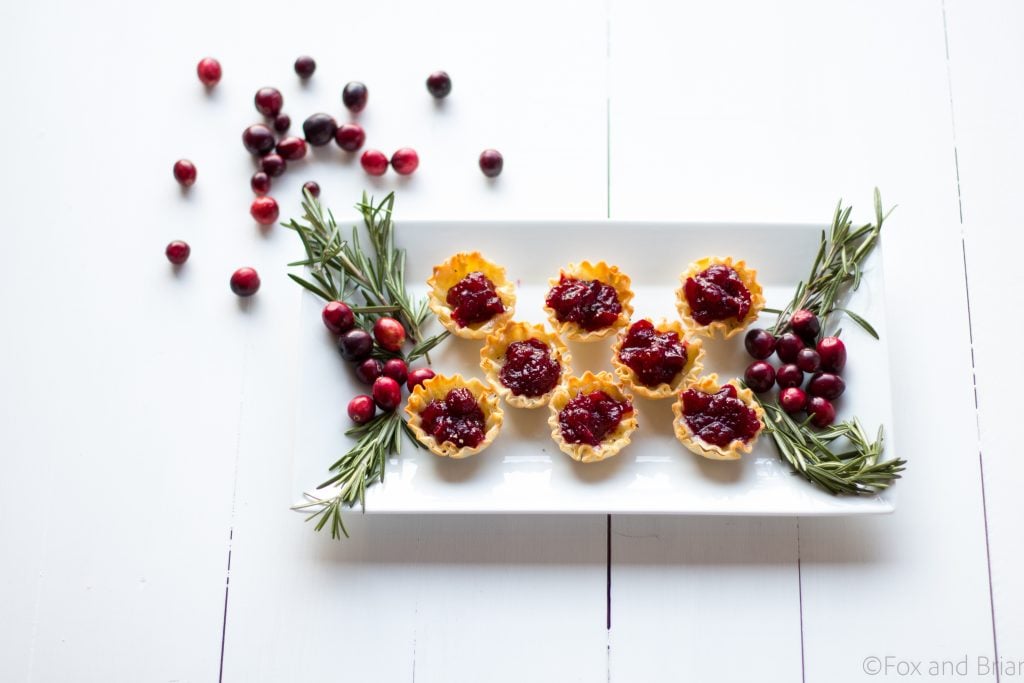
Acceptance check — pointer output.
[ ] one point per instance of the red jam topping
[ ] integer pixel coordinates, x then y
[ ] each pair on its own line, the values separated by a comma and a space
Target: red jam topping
591, 304
717, 294
720, 418
588, 418
529, 369
457, 419
655, 357
473, 299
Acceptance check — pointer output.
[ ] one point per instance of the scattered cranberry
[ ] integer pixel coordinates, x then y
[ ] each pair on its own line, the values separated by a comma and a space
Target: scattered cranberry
177, 252
387, 393
419, 376
760, 376
826, 385
760, 343
319, 129
389, 333
312, 187
282, 122
269, 101
789, 375
354, 96
350, 136
491, 162
209, 71
184, 172
833, 354
292, 148
808, 360
338, 317
362, 409
374, 162
792, 399
245, 281
305, 66
439, 84
260, 183
258, 139
273, 165
355, 345
822, 412
805, 324
264, 210
405, 161
788, 346
369, 370
396, 369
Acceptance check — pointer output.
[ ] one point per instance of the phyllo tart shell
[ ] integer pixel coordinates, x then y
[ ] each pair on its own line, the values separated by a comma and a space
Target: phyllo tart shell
492, 359
612, 442
731, 326
437, 388
609, 275
737, 447
450, 273
694, 363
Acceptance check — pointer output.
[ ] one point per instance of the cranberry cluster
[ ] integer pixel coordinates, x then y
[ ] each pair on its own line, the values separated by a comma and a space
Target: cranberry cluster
801, 353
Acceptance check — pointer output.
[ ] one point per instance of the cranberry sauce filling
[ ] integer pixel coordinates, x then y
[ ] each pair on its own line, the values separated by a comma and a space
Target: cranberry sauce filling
717, 294
719, 418
473, 299
529, 369
655, 357
591, 304
588, 418
457, 419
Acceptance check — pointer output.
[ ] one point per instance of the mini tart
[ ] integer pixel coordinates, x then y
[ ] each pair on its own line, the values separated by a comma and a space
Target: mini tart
729, 327
614, 441
449, 274
737, 447
694, 363
609, 275
437, 388
492, 358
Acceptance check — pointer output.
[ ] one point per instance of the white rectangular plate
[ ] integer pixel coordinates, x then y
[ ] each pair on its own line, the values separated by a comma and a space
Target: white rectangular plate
523, 471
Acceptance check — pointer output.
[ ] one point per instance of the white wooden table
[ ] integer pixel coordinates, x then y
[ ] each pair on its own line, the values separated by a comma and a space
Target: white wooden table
145, 533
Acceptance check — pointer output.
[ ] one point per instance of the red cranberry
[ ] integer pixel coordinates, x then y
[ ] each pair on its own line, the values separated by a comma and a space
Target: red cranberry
184, 172
319, 129
312, 187
805, 324
833, 354
439, 84
387, 393
369, 370
282, 122
826, 385
491, 163
350, 136
760, 376
273, 165
396, 369
389, 333
260, 183
792, 399
788, 346
209, 71
760, 343
292, 148
405, 161
258, 139
808, 360
789, 375
822, 412
354, 96
269, 101
355, 345
419, 376
362, 409
305, 66
338, 317
374, 162
264, 210
177, 252
245, 281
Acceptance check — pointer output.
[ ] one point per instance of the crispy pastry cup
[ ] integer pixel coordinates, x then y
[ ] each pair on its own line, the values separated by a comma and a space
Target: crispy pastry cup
613, 442
731, 326
736, 448
492, 358
450, 273
437, 388
694, 363
610, 275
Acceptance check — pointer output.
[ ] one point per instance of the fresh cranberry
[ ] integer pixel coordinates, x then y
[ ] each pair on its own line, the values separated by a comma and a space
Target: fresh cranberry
760, 343
789, 375
792, 399
282, 122
389, 333
209, 71
588, 418
354, 96
419, 376
369, 370
269, 101
719, 418
338, 317
491, 163
245, 281
260, 183
439, 84
312, 187
456, 419
305, 66
405, 161
822, 412
529, 369
350, 136
591, 304
362, 409
177, 252
396, 369
184, 172
788, 346
759, 376
355, 345
258, 139
319, 129
717, 293
805, 324
656, 357
264, 210
292, 148
833, 354
474, 299
827, 385
387, 393
273, 165
374, 162
808, 360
